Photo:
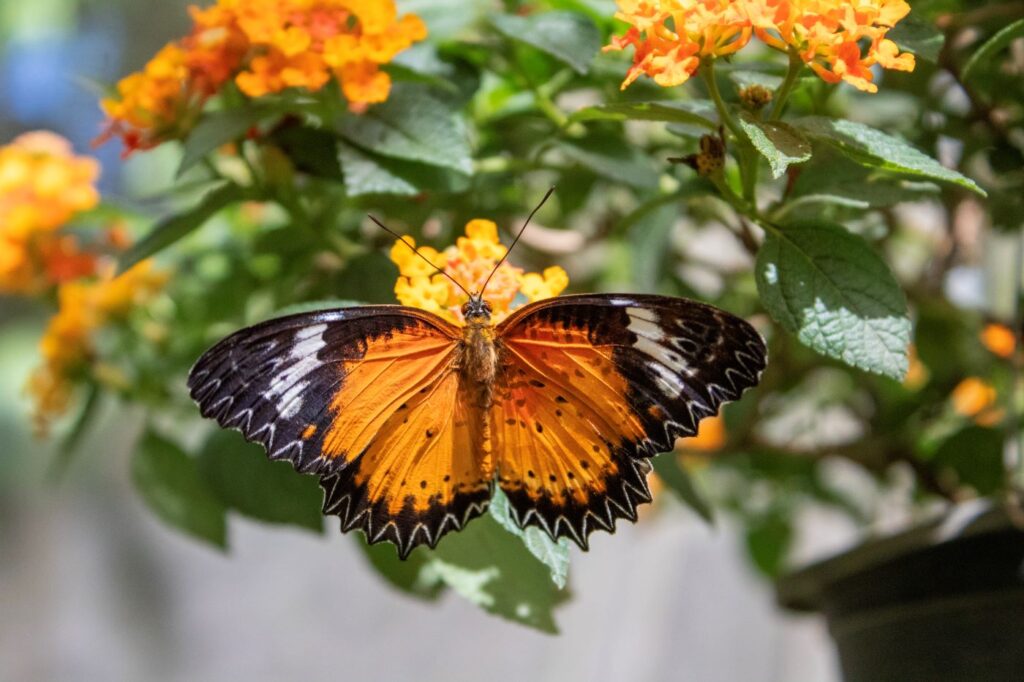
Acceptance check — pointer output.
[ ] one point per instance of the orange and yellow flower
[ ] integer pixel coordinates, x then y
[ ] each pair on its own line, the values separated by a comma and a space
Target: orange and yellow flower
670, 37
264, 47
66, 347
976, 399
999, 339
43, 184
469, 262
840, 41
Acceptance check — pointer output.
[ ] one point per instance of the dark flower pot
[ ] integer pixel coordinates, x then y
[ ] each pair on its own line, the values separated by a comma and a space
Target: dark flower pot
939, 603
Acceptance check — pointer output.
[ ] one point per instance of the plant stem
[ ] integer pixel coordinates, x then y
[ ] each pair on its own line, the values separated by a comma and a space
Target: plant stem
707, 71
746, 156
796, 65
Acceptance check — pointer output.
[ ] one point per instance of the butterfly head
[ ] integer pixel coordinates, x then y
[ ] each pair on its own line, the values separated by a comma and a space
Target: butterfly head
476, 310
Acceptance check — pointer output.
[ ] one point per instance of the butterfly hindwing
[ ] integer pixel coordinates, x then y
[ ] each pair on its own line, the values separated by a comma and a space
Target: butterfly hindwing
364, 397
592, 385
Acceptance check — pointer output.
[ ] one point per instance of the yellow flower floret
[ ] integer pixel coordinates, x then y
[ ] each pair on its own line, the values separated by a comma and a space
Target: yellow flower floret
43, 184
66, 346
840, 41
470, 261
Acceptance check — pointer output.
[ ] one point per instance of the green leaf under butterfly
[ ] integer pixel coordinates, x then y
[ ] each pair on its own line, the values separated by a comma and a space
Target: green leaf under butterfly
492, 568
833, 291
168, 480
679, 481
554, 555
242, 477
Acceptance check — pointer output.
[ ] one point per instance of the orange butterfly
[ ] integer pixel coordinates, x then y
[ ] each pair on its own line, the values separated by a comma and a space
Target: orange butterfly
410, 421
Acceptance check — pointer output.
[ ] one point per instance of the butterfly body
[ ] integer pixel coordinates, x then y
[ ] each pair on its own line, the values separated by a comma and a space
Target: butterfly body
411, 421
479, 357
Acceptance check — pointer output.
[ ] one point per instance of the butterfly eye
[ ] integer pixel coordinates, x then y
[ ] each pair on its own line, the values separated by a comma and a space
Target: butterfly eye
487, 306
465, 308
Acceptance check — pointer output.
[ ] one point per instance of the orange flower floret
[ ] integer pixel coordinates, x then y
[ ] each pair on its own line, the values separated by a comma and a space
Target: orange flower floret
67, 344
470, 262
264, 46
671, 37
999, 339
976, 398
43, 184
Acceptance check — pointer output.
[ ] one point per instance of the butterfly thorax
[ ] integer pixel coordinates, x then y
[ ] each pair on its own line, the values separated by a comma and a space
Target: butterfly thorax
479, 361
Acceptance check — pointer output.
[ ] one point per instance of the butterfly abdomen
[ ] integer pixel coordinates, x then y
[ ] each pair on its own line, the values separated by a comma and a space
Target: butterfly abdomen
480, 360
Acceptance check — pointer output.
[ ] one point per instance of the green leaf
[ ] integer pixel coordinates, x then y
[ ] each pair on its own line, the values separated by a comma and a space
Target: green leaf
831, 178
991, 47
872, 147
217, 128
240, 474
170, 483
975, 453
614, 159
312, 151
554, 555
492, 568
836, 294
694, 112
768, 541
567, 36
678, 480
367, 173
414, 575
918, 36
170, 230
412, 125
776, 141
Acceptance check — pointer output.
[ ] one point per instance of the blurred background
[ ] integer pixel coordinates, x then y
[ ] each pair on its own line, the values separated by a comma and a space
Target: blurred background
93, 586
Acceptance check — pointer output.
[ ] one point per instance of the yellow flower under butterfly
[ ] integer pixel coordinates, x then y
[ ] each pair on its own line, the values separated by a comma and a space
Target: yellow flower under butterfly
469, 262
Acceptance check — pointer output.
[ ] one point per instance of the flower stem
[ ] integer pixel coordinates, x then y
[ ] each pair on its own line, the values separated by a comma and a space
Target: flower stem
708, 73
796, 65
746, 155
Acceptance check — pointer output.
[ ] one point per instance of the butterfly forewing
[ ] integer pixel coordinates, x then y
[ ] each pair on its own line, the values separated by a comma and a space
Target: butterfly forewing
591, 385
365, 397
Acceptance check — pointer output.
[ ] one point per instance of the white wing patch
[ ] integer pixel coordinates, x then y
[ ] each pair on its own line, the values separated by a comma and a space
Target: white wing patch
289, 385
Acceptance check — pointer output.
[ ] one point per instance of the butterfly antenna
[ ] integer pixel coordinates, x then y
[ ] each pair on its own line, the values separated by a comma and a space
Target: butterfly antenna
414, 250
550, 191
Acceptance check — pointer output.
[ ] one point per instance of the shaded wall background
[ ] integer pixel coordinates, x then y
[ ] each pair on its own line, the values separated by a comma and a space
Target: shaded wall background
92, 586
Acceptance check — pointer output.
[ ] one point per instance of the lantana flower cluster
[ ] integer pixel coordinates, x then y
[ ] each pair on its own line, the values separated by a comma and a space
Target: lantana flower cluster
68, 344
43, 184
264, 47
469, 262
840, 41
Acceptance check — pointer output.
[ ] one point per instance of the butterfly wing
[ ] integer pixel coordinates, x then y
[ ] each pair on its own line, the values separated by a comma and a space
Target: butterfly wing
592, 385
369, 399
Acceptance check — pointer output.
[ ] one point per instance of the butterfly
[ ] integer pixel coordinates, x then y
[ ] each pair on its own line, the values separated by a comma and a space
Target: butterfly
411, 421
